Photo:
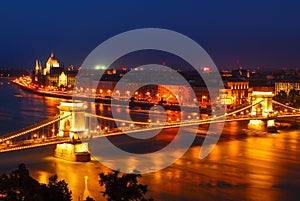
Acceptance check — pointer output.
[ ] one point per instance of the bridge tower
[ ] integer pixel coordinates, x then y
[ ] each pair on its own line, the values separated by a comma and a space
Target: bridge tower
265, 106
263, 109
72, 124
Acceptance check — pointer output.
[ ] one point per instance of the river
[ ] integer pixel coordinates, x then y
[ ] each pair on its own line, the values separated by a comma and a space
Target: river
239, 168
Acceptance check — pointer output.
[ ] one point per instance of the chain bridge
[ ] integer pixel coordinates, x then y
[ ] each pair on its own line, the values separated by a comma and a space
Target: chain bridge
73, 123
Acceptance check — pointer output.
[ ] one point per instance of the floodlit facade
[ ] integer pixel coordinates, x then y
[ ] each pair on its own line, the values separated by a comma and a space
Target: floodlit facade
234, 93
286, 86
53, 74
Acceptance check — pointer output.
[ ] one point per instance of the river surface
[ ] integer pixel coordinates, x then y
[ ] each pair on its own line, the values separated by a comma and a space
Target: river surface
240, 167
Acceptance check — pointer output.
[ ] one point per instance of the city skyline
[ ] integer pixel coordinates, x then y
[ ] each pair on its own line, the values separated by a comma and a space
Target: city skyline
256, 34
110, 100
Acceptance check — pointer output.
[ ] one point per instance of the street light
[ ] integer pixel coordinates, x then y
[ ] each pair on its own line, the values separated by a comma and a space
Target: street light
108, 92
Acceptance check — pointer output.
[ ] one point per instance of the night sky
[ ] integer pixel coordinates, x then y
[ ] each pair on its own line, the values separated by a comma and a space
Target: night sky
257, 33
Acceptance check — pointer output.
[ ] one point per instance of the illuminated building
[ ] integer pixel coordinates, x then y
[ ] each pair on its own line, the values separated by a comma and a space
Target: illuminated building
53, 74
235, 92
175, 93
51, 63
286, 86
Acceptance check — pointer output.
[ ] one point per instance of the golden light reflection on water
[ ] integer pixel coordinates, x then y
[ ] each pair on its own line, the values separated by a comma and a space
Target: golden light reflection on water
250, 168
52, 104
132, 163
82, 178
43, 176
255, 163
86, 189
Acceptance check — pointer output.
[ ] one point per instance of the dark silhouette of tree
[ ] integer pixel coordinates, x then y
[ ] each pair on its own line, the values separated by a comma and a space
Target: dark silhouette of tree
19, 185
282, 97
57, 190
88, 198
292, 98
123, 188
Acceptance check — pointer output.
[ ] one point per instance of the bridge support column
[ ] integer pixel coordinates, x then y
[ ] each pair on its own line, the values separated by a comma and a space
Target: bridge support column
263, 109
72, 125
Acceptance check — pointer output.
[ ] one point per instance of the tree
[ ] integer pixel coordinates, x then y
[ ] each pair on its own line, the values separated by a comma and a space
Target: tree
125, 187
57, 190
294, 98
282, 97
88, 198
19, 185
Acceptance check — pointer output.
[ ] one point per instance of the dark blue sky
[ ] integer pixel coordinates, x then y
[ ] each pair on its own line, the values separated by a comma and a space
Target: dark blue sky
257, 33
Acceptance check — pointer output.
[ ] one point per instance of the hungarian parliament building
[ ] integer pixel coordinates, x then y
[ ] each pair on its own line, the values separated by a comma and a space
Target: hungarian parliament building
53, 74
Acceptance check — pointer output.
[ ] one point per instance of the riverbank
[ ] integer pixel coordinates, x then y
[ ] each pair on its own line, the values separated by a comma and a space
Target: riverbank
106, 100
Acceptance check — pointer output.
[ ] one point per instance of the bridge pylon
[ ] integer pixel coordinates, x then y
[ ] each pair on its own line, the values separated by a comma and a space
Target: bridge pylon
72, 124
263, 109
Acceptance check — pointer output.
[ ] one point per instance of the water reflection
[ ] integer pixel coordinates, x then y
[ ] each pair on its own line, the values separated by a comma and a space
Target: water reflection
256, 168
82, 178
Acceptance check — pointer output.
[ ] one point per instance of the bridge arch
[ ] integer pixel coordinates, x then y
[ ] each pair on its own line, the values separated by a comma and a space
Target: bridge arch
265, 106
73, 119
263, 109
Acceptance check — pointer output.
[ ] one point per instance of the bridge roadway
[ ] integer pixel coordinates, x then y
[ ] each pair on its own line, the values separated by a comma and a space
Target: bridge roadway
32, 143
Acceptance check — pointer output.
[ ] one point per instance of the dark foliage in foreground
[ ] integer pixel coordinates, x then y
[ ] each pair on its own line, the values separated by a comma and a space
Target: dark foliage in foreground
292, 98
123, 188
18, 185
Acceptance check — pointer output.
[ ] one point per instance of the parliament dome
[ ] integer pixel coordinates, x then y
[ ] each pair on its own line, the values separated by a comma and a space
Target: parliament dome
52, 62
